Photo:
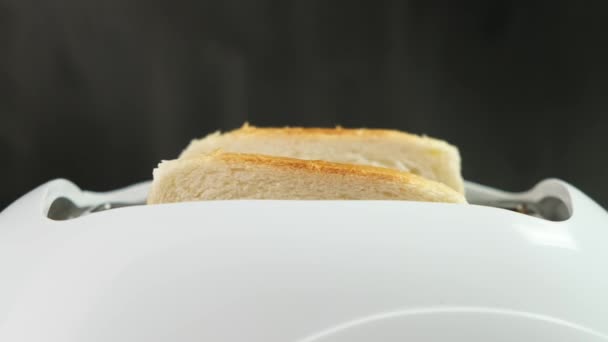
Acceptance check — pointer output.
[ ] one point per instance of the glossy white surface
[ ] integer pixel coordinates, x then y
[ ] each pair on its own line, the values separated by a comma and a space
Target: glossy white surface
301, 271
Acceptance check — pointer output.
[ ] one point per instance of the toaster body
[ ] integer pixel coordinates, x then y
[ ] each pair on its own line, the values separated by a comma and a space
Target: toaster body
301, 271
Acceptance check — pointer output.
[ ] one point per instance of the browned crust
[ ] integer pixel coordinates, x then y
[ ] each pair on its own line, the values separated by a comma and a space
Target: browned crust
320, 166
437, 192
316, 166
247, 129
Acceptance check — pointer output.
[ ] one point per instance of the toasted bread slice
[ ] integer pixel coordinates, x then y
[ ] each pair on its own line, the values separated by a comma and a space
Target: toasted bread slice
431, 158
225, 176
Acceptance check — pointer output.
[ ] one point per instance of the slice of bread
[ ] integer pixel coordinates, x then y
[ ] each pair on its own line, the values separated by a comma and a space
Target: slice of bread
431, 158
225, 176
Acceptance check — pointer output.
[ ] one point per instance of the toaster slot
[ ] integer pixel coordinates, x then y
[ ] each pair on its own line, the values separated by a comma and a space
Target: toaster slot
63, 208
549, 200
65, 201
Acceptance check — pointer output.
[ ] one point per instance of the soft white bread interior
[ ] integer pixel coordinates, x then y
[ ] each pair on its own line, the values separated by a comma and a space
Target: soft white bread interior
428, 157
225, 176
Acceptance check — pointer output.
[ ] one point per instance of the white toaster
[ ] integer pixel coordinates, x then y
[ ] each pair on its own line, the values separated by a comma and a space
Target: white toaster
303, 270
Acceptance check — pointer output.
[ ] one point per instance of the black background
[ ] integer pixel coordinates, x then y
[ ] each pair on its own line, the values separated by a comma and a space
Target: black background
98, 91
